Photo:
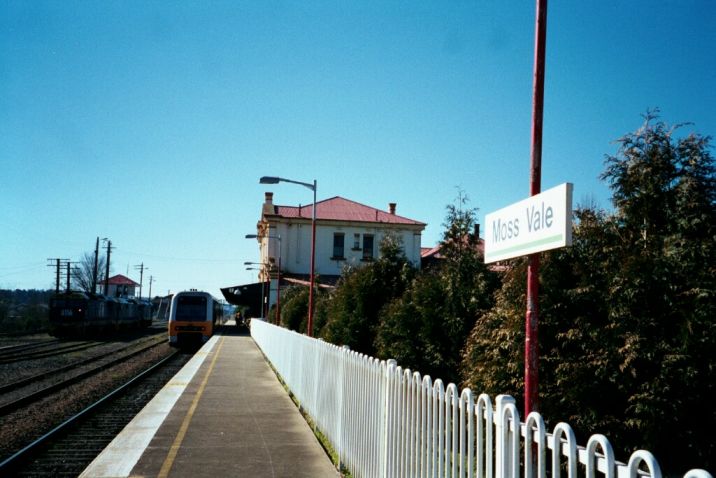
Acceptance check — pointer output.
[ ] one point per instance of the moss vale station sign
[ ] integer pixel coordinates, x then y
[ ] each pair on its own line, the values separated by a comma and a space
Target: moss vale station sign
538, 223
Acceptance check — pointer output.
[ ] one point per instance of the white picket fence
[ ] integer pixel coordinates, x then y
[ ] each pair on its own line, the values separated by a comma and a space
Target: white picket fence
384, 421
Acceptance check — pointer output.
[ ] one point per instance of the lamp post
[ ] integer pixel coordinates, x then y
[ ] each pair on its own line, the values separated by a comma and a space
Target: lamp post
278, 278
262, 286
312, 187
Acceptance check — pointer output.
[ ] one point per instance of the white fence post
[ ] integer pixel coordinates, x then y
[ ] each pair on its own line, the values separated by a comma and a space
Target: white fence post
639, 457
427, 427
438, 428
485, 428
507, 442
344, 355
698, 473
559, 430
534, 420
593, 460
467, 434
388, 418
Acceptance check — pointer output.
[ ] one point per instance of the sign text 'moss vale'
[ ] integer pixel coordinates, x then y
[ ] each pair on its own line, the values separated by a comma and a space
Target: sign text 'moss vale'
535, 224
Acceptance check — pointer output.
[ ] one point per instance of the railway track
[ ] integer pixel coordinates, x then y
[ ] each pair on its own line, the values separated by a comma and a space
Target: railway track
36, 395
25, 382
56, 348
10, 349
68, 448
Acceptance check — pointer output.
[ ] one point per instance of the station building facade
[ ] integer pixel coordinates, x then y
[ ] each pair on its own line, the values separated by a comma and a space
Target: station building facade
347, 234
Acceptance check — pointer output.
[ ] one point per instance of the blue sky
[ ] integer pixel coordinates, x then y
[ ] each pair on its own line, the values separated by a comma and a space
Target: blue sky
150, 122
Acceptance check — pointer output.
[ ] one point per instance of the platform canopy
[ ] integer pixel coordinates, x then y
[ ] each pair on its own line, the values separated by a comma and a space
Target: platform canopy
246, 296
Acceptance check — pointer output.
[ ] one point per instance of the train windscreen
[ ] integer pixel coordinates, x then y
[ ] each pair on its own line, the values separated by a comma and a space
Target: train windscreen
191, 308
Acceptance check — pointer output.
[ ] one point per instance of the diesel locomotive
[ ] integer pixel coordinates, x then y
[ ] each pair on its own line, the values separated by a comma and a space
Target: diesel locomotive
79, 313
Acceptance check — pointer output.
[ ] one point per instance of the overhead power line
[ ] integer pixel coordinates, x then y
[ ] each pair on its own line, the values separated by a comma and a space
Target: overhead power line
174, 258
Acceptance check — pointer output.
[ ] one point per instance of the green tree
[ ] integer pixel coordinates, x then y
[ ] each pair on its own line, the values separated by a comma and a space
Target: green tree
492, 362
354, 309
662, 294
627, 338
411, 331
294, 308
469, 284
426, 328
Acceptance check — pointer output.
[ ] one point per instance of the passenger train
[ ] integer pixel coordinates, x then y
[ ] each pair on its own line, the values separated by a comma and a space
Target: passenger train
193, 318
80, 313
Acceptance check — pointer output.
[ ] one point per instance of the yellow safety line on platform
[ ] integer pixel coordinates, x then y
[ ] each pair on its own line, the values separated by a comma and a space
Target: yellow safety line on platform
169, 461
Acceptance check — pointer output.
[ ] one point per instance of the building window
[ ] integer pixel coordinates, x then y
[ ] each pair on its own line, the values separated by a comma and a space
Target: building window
367, 247
338, 242
356, 242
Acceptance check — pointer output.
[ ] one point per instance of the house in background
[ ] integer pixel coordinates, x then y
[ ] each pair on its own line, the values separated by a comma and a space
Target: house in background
434, 256
430, 256
119, 286
347, 234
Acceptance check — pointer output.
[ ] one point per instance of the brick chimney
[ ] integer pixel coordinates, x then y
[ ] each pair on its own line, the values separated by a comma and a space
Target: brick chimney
391, 207
268, 204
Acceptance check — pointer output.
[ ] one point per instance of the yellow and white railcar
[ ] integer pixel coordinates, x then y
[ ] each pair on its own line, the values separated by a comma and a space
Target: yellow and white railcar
193, 318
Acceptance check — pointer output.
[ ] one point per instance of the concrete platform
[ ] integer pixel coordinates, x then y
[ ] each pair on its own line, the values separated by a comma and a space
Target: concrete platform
224, 414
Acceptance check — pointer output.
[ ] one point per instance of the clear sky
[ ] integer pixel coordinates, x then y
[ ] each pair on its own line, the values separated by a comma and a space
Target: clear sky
150, 122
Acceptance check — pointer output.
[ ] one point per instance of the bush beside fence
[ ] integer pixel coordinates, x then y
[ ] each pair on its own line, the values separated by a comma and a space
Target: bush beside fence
385, 421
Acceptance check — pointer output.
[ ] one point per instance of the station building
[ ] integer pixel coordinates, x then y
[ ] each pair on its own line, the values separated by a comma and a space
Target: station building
348, 234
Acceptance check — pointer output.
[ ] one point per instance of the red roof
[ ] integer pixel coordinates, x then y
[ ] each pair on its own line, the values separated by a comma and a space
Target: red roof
430, 252
341, 209
119, 279
436, 251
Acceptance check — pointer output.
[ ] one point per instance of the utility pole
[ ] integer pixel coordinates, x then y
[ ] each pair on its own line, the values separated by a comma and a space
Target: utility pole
141, 269
57, 278
151, 279
68, 274
95, 270
57, 264
106, 277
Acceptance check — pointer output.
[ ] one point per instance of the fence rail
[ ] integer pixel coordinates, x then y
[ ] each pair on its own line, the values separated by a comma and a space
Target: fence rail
386, 421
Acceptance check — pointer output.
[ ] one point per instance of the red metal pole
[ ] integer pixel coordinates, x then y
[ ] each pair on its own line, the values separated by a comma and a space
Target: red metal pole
313, 264
278, 287
532, 316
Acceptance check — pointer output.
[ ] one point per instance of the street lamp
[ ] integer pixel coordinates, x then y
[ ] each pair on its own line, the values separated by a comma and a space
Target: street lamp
278, 279
262, 284
312, 187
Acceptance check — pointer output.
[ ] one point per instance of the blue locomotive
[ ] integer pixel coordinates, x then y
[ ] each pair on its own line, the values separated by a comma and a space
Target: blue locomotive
79, 313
